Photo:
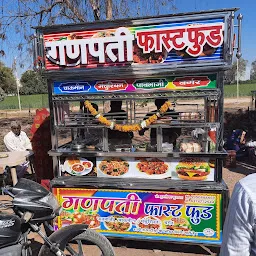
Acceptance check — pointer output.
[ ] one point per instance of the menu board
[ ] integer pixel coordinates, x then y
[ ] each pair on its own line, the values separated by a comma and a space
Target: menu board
136, 85
151, 215
194, 169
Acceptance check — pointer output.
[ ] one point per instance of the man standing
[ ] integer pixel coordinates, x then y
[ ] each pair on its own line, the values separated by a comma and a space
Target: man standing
170, 135
17, 140
239, 235
118, 115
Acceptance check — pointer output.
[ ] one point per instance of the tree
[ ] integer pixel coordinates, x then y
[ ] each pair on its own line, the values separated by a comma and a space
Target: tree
21, 15
253, 71
231, 75
2, 94
7, 79
32, 83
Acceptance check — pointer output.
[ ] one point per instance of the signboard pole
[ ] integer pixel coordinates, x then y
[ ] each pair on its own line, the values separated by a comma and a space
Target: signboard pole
237, 79
17, 81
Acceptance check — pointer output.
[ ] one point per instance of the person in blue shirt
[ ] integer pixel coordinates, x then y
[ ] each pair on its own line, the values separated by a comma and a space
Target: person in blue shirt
237, 142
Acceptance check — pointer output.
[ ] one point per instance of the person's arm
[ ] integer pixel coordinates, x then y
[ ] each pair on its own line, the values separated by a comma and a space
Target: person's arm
10, 144
239, 224
142, 131
242, 139
28, 145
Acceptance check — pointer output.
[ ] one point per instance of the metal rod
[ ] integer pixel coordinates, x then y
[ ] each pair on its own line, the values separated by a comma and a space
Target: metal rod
239, 40
237, 79
14, 67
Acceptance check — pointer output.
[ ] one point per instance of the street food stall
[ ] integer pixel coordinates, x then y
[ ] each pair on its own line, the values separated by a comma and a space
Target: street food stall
136, 112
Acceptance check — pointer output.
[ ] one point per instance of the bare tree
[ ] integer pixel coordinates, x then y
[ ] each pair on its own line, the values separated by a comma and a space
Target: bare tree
253, 71
109, 9
231, 74
18, 16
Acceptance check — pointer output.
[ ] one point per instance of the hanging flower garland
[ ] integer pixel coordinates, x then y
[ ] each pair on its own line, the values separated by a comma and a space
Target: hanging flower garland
127, 127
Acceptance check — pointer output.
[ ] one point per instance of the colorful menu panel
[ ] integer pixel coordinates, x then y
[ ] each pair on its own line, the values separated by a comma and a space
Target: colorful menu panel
170, 42
136, 85
153, 215
192, 169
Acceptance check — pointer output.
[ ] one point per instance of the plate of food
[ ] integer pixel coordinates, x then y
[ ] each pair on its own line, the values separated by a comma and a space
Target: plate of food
146, 58
154, 168
116, 224
80, 218
179, 224
193, 169
66, 218
91, 220
113, 167
149, 222
77, 166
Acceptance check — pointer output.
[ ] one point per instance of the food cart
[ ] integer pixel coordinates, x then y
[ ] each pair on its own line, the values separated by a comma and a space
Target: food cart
129, 169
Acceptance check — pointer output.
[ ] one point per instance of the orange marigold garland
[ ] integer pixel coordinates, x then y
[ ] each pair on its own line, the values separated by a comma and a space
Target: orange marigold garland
127, 127
89, 106
165, 107
104, 120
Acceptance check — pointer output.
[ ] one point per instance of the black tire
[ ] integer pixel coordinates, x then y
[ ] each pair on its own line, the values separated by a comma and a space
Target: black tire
90, 236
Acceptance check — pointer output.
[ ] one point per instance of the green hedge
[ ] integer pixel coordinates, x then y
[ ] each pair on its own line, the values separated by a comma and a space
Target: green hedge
244, 90
27, 101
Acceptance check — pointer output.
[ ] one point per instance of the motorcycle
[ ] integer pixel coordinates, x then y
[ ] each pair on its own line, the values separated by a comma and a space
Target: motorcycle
33, 207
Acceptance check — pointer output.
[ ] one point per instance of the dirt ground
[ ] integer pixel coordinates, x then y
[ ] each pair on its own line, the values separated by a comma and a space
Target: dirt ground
230, 176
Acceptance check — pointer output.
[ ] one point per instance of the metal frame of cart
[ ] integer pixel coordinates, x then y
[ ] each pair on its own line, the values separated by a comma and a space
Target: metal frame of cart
48, 61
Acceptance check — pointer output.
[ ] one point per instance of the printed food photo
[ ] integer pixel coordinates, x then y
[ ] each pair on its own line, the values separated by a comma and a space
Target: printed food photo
179, 224
144, 58
77, 166
80, 218
152, 168
114, 167
116, 224
193, 169
149, 222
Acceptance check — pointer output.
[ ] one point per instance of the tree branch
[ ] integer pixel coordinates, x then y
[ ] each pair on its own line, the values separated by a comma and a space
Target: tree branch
109, 9
74, 10
96, 9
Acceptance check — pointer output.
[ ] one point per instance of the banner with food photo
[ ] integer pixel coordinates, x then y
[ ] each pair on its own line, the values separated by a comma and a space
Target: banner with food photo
169, 216
123, 167
194, 169
114, 167
152, 168
77, 166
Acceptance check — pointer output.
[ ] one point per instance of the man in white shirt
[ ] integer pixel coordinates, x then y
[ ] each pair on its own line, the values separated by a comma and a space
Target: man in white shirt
239, 235
17, 140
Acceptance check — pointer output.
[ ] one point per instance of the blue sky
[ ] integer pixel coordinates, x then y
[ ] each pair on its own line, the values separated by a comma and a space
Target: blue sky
247, 8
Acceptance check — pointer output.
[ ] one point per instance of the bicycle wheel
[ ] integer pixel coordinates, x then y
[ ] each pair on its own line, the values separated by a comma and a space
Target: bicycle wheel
89, 243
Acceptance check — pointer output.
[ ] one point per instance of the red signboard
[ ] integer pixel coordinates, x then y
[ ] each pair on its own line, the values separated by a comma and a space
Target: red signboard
191, 81
111, 86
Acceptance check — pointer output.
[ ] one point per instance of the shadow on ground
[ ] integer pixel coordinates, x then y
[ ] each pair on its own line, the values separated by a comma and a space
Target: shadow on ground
243, 168
164, 247
171, 247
